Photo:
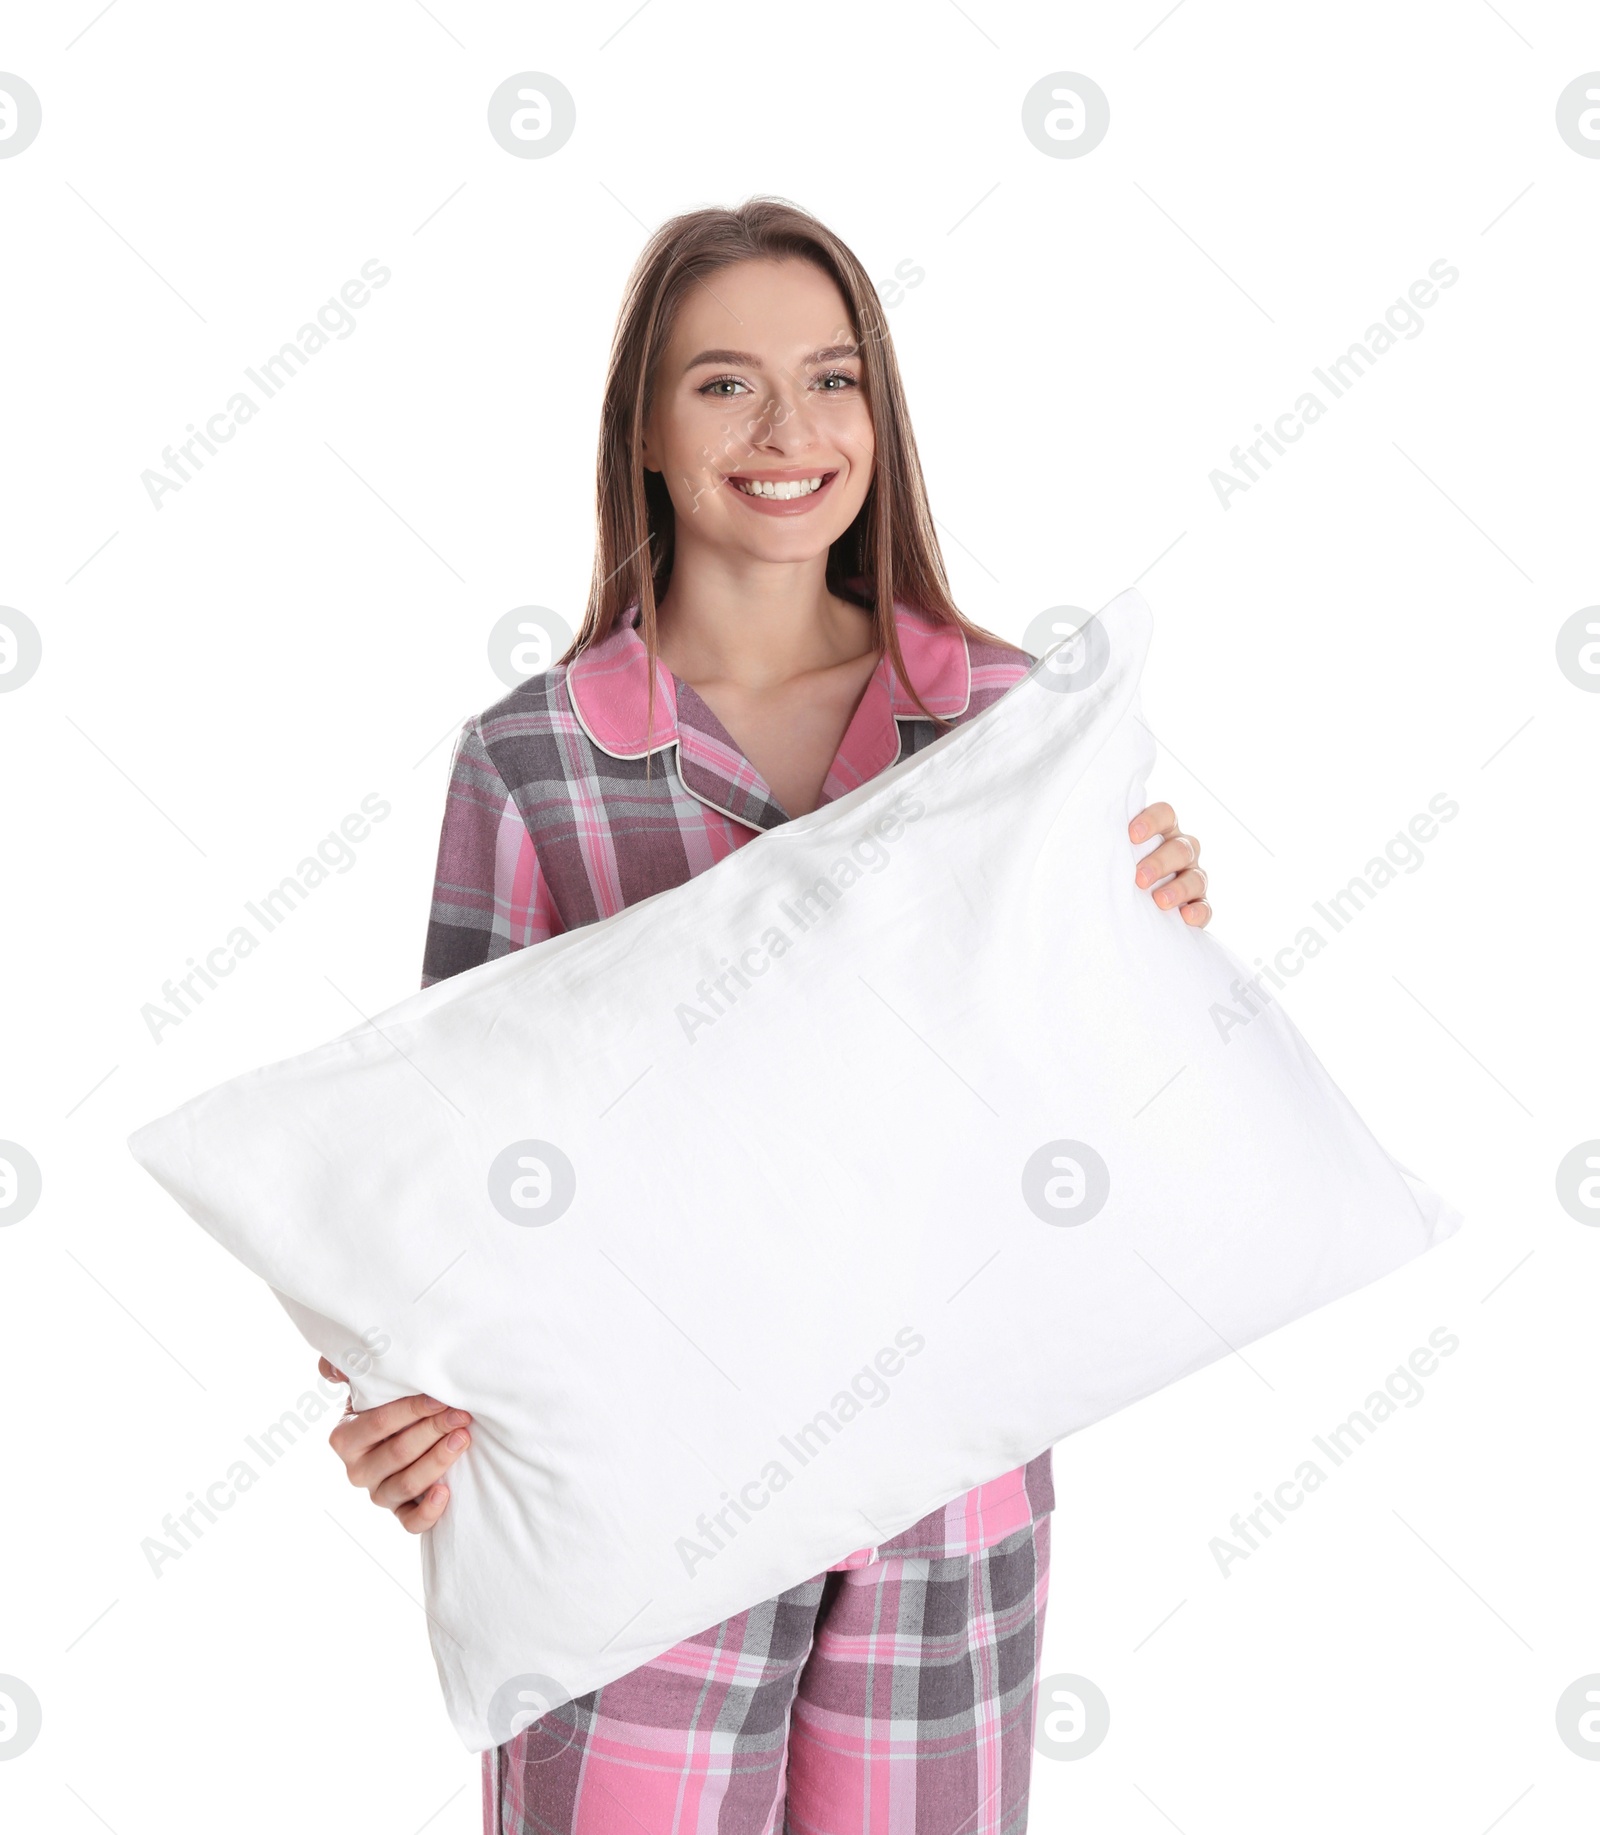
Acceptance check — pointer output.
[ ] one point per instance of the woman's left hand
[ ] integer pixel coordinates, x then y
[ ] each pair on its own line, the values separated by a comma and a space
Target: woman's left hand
1178, 854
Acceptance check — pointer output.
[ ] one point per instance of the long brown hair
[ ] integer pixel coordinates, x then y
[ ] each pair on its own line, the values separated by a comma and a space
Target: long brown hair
890, 550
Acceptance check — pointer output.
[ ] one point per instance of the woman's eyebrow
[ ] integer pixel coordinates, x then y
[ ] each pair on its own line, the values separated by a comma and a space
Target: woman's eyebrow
831, 353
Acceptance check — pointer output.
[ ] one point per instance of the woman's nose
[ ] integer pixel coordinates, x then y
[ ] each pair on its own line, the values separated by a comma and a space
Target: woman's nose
784, 421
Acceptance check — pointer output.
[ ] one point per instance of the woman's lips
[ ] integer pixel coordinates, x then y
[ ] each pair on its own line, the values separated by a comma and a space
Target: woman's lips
781, 506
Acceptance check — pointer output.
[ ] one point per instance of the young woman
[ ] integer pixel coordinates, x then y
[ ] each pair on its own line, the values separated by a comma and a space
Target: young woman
769, 625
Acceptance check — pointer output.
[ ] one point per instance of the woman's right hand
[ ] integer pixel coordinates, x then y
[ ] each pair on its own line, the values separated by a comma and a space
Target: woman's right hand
397, 1452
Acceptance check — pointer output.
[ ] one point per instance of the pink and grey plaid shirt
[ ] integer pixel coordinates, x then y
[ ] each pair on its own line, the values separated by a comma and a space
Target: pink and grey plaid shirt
551, 822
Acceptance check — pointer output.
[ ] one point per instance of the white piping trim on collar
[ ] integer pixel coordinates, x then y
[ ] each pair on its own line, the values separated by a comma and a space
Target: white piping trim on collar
966, 657
677, 765
661, 745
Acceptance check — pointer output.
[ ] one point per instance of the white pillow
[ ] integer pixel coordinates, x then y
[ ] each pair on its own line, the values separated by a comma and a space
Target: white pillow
956, 1162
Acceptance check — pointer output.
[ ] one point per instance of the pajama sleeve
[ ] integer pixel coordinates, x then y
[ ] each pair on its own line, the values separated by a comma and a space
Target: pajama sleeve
490, 895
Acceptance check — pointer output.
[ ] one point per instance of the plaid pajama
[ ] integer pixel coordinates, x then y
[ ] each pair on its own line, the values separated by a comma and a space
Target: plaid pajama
563, 808
895, 1698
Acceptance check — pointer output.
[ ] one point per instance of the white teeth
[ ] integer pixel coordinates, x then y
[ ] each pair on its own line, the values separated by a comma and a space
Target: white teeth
793, 487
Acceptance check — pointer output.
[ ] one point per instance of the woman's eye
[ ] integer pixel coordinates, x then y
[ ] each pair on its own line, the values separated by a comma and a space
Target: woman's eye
726, 386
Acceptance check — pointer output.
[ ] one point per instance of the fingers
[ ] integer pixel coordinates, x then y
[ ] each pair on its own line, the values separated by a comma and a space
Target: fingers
1158, 819
397, 1452
1171, 857
410, 1484
372, 1456
357, 1433
425, 1512
1176, 861
326, 1369
374, 1466
1187, 887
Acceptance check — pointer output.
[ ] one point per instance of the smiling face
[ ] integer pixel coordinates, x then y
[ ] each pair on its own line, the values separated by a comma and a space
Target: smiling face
760, 425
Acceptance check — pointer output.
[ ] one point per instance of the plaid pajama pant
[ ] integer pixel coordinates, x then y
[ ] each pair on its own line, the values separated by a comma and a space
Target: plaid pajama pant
894, 1698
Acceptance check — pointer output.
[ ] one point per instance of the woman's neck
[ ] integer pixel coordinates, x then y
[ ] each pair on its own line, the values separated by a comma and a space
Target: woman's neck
755, 627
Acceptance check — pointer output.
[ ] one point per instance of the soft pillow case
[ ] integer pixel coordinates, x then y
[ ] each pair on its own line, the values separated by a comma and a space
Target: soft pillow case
762, 1218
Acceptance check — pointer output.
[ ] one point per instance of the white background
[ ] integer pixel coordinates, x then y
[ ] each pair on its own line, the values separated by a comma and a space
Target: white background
1372, 623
